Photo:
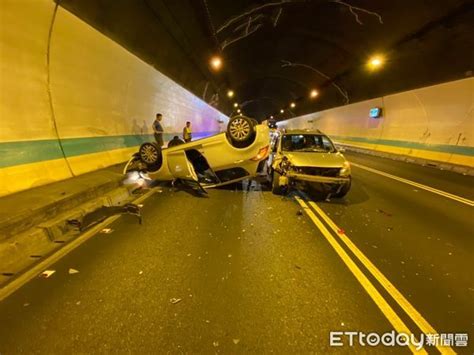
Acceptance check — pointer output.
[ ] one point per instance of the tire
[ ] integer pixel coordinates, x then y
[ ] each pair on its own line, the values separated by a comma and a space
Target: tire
150, 154
132, 165
344, 190
241, 131
276, 188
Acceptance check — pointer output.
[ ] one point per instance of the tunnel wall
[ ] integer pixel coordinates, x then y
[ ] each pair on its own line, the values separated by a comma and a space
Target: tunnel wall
73, 101
432, 123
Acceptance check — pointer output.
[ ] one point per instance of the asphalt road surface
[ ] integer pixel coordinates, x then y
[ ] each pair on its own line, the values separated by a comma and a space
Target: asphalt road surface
245, 271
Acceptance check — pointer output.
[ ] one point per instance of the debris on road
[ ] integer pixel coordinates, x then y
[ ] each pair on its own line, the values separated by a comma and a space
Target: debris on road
47, 273
236, 341
106, 231
299, 213
140, 272
390, 229
385, 213
102, 213
175, 300
216, 344
73, 271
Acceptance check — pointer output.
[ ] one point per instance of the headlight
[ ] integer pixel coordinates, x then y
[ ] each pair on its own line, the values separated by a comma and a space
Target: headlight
345, 170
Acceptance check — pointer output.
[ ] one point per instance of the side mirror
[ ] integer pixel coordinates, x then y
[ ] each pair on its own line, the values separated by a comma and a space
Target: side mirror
341, 149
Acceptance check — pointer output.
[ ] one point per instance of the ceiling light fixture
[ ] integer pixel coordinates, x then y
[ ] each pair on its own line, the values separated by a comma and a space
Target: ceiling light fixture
375, 62
314, 93
216, 63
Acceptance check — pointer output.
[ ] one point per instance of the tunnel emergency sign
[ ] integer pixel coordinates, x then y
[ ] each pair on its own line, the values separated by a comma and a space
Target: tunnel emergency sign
375, 112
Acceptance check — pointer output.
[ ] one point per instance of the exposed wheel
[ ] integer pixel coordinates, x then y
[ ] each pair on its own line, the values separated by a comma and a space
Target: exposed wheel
133, 164
241, 129
344, 190
150, 153
276, 188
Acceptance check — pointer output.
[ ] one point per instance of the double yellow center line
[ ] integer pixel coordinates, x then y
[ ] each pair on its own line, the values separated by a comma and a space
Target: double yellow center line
379, 300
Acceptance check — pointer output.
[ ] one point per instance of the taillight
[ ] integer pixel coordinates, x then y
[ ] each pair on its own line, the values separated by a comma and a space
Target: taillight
262, 153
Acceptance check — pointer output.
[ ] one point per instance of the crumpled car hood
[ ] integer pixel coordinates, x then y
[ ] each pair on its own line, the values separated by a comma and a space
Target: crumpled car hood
322, 160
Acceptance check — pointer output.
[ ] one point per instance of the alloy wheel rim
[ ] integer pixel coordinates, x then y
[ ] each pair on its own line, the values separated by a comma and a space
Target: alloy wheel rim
149, 154
239, 129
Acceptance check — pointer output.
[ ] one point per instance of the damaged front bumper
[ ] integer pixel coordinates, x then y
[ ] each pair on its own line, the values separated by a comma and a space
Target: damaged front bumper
340, 180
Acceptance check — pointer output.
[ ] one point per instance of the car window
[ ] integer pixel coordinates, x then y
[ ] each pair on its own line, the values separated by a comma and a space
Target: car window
327, 144
306, 143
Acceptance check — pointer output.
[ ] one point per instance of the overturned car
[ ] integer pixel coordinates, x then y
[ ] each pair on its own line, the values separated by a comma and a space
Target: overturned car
308, 158
217, 160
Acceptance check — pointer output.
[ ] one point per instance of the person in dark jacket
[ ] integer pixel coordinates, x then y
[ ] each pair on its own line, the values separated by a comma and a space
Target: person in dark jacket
158, 129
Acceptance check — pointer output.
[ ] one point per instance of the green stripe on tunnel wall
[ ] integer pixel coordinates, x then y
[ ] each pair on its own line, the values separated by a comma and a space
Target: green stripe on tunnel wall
443, 148
26, 152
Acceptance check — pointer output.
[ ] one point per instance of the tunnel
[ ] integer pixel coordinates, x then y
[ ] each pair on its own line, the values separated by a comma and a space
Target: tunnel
251, 176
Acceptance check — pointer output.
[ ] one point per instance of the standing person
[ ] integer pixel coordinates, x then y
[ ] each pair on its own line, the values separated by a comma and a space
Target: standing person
158, 129
187, 133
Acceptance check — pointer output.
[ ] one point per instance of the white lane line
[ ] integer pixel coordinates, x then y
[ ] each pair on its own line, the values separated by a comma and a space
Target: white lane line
30, 274
417, 318
416, 184
381, 303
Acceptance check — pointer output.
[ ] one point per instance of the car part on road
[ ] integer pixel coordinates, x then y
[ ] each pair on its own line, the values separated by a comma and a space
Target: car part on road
100, 214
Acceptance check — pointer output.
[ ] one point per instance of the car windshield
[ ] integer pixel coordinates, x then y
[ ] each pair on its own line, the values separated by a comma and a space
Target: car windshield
306, 143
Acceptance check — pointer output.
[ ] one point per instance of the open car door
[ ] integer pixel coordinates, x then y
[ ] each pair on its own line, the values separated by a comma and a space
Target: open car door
180, 167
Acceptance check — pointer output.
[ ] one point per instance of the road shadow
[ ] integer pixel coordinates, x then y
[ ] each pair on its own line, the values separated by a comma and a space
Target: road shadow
191, 188
249, 185
356, 195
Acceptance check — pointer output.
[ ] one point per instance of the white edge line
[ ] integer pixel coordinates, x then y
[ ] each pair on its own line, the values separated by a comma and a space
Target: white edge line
33, 272
416, 184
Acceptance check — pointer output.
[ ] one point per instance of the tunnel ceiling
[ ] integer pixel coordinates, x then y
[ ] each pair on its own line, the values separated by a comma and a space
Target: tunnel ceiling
274, 52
